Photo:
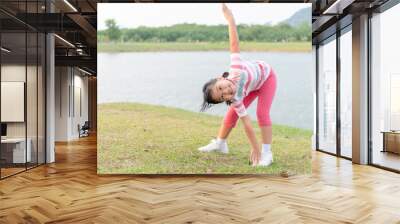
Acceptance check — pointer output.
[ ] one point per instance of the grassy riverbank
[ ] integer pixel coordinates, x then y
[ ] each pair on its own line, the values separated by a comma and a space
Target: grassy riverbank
140, 139
202, 46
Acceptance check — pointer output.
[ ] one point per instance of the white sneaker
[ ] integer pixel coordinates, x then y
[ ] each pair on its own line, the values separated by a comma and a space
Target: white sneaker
214, 146
266, 159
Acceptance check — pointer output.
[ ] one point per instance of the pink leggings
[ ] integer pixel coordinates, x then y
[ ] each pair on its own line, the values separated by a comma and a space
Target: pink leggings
265, 96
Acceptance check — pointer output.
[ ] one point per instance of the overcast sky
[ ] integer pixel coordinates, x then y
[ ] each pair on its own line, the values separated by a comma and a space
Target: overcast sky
132, 15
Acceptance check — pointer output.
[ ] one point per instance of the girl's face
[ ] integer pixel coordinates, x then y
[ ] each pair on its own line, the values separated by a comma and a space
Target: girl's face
224, 90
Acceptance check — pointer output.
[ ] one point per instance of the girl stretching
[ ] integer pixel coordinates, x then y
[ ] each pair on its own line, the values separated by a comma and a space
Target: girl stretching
245, 81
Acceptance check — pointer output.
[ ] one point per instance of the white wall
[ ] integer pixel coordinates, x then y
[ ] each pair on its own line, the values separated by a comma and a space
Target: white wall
11, 73
70, 83
14, 73
62, 81
81, 89
33, 126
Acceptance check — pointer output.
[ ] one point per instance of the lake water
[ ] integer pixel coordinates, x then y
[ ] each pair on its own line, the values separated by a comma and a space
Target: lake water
176, 79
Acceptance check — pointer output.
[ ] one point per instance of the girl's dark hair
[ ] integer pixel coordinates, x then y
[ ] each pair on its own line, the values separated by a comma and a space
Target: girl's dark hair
208, 101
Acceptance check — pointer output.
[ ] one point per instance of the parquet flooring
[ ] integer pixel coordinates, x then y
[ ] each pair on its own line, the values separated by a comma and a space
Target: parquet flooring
10, 171
70, 191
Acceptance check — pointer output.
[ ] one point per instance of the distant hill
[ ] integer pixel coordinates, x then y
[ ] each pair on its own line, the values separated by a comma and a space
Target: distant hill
299, 17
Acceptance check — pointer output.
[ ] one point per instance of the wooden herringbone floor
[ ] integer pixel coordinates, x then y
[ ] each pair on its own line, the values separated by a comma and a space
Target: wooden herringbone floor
69, 191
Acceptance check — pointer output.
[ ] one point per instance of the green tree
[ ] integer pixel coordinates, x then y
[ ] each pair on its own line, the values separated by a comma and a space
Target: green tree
113, 32
194, 33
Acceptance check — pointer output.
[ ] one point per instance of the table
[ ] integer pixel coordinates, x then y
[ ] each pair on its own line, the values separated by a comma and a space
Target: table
18, 149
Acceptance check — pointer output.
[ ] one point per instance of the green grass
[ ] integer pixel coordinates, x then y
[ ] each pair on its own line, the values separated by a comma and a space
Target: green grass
202, 46
146, 139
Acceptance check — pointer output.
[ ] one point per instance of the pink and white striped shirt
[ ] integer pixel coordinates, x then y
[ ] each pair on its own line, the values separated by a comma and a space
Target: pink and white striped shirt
247, 76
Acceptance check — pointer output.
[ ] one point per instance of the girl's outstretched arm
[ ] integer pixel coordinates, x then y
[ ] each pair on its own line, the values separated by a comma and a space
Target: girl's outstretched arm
255, 153
233, 35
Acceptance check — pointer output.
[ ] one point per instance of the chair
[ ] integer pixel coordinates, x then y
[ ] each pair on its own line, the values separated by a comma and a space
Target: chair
84, 130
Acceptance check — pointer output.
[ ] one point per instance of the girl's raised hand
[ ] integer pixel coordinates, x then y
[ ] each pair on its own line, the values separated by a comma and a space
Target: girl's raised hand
227, 12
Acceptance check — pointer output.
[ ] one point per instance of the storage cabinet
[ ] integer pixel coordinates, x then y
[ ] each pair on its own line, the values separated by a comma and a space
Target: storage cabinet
391, 141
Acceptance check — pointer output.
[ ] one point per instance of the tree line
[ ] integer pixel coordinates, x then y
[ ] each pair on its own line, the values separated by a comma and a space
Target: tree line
185, 32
